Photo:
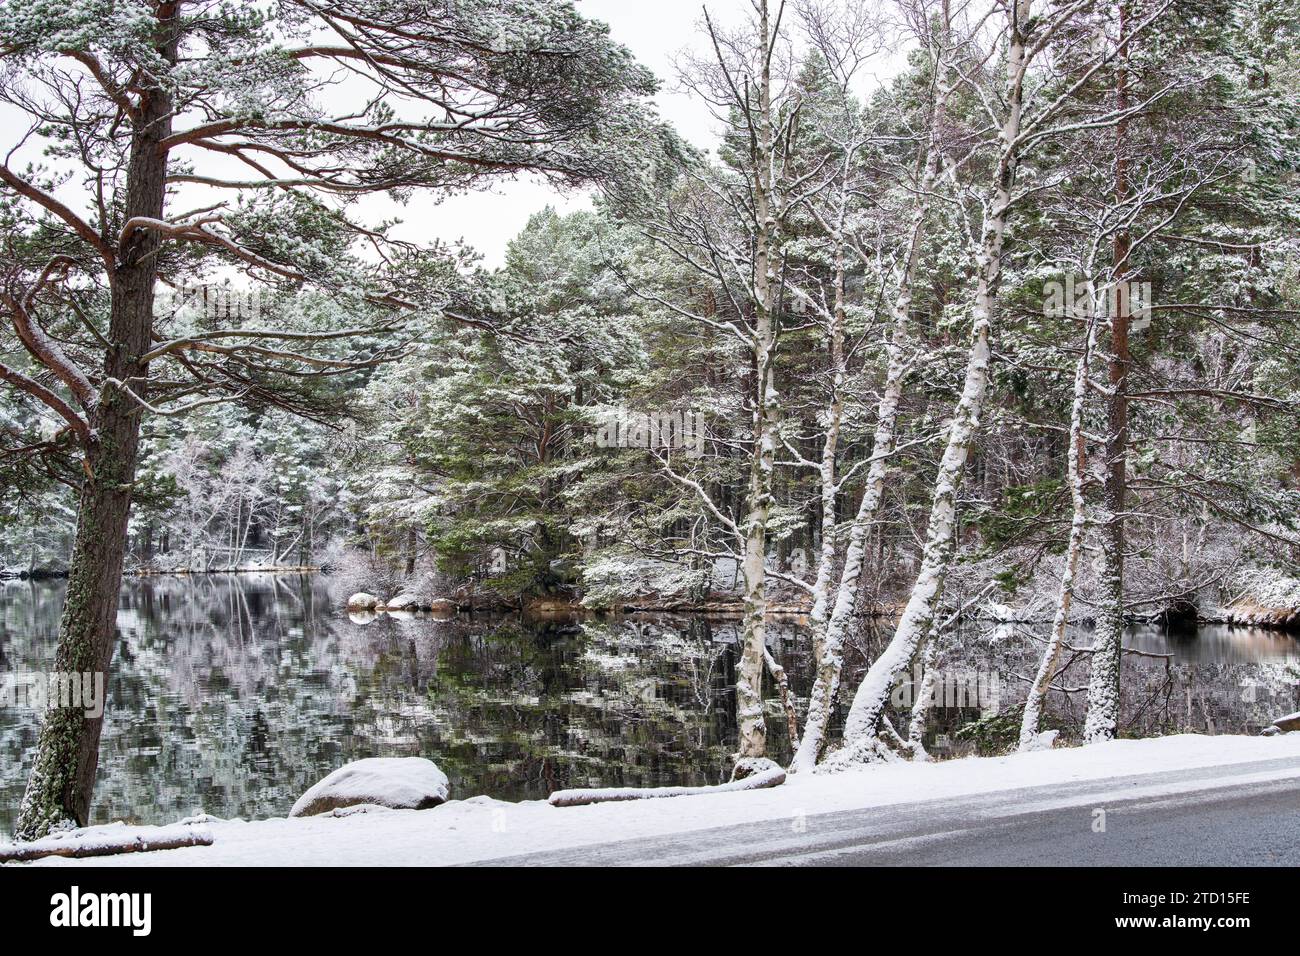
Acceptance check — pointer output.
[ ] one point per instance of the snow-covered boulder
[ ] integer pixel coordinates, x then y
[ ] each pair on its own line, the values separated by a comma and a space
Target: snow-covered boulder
398, 783
1288, 723
405, 602
362, 601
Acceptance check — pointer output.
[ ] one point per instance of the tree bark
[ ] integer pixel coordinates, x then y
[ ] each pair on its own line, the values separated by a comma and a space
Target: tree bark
827, 474
1103, 685
62, 778
1032, 716
749, 675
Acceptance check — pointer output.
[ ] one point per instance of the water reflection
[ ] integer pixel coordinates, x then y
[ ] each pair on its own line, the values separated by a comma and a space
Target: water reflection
233, 694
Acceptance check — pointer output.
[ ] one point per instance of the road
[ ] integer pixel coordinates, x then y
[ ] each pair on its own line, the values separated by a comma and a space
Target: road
1240, 815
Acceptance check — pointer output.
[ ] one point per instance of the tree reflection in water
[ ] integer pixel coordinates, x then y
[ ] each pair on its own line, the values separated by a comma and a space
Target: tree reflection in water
232, 694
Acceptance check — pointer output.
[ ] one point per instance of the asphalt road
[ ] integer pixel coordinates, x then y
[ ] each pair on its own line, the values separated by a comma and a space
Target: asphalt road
1241, 815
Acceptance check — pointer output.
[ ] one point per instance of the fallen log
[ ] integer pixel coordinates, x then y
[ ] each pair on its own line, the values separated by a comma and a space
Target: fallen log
772, 776
107, 841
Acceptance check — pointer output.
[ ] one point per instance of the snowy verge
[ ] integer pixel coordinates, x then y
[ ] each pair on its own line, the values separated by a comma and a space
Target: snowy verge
463, 831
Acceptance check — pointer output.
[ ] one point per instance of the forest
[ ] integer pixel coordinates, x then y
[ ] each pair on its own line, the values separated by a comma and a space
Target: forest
977, 308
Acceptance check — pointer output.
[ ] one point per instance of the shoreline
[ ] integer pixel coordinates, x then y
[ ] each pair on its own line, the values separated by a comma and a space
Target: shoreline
1246, 615
481, 828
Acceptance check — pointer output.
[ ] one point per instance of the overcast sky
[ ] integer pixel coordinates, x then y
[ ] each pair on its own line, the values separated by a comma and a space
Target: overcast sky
654, 30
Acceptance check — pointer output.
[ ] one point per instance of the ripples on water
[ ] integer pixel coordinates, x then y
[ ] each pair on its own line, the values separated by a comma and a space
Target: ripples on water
233, 694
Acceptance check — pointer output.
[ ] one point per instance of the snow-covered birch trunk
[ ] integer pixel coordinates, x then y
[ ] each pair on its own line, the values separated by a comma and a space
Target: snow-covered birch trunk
752, 730
830, 663
830, 445
918, 616
749, 673
1102, 720
830, 656
861, 727
1032, 717
923, 696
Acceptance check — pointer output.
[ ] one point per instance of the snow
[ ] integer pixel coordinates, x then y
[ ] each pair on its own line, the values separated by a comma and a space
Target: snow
464, 831
394, 782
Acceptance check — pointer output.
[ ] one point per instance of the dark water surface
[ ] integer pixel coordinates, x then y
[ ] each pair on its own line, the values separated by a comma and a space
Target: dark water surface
233, 694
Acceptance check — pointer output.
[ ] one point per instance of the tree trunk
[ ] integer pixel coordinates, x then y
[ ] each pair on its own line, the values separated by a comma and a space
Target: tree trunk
62, 778
830, 664
1103, 685
923, 691
835, 415
1030, 720
749, 674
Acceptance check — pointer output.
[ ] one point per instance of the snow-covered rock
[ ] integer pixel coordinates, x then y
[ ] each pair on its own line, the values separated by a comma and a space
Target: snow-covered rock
747, 767
1288, 723
398, 783
362, 601
405, 602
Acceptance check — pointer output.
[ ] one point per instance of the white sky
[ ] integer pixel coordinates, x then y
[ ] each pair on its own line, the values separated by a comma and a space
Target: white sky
654, 30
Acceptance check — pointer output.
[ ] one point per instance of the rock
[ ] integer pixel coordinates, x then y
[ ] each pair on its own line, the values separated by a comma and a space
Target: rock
405, 602
1288, 723
442, 606
1269, 599
396, 783
362, 602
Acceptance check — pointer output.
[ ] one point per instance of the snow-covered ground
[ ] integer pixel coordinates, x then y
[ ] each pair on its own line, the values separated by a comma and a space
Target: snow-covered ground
480, 828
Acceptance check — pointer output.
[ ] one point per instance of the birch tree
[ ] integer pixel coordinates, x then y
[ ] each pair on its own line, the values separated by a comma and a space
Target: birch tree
1030, 719
727, 225
1023, 36
830, 659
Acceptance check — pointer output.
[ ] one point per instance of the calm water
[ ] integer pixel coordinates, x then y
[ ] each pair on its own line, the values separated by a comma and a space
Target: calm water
233, 694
